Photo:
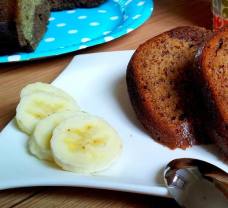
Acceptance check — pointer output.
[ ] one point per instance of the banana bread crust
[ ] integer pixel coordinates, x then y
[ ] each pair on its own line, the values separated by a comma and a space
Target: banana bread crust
180, 131
213, 72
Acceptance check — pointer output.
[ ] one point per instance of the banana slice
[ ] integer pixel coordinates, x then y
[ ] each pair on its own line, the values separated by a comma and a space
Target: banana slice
37, 106
85, 144
43, 87
39, 143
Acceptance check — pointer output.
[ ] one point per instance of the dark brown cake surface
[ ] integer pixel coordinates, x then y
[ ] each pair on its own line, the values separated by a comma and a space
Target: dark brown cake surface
214, 73
58, 5
8, 34
161, 88
22, 25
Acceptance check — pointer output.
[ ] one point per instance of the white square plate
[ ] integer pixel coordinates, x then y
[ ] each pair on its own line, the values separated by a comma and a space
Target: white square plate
97, 82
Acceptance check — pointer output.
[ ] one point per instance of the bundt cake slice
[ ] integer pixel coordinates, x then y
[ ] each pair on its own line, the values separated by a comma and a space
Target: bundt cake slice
22, 24
161, 86
58, 5
214, 74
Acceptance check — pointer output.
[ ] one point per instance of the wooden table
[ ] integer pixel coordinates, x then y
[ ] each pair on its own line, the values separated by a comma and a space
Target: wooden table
167, 14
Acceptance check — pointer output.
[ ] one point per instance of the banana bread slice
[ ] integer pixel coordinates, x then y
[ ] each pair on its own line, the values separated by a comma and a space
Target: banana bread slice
161, 86
22, 24
214, 76
58, 5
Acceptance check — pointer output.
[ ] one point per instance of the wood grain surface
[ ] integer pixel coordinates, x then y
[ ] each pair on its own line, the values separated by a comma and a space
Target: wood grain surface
167, 14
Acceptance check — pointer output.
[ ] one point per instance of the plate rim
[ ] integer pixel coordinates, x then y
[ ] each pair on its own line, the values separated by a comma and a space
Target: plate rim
92, 183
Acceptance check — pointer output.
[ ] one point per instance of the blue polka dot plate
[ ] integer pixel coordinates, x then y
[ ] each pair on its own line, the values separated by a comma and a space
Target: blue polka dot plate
72, 30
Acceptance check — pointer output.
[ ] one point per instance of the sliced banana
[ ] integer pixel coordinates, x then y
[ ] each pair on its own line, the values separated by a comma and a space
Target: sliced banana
34, 107
39, 143
85, 144
43, 87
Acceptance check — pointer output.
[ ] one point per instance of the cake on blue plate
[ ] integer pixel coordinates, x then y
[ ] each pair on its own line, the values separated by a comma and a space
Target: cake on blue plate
24, 22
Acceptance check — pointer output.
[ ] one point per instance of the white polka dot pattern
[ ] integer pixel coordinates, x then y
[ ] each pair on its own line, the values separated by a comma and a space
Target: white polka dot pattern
70, 11
94, 23
102, 11
114, 18
72, 31
108, 38
136, 16
48, 40
141, 3
128, 2
51, 19
14, 58
61, 25
84, 40
83, 46
129, 30
106, 32
82, 17
80, 28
